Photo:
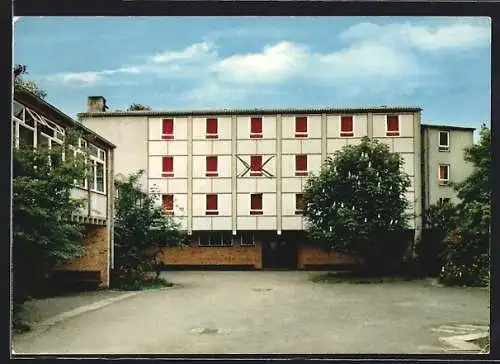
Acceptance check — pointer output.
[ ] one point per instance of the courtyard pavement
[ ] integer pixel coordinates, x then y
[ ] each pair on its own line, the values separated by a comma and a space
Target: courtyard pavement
265, 312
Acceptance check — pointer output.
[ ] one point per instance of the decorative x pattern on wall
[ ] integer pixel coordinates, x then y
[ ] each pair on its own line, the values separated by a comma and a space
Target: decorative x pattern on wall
248, 167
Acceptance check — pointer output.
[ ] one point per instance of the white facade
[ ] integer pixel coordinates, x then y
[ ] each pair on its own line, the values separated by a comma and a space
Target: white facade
278, 145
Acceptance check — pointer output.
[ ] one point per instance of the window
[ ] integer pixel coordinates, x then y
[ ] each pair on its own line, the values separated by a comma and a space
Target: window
168, 167
256, 165
168, 129
301, 165
299, 204
97, 159
212, 128
215, 238
301, 126
26, 136
247, 239
168, 204
444, 200
212, 205
211, 166
444, 173
256, 128
256, 204
346, 126
392, 125
444, 141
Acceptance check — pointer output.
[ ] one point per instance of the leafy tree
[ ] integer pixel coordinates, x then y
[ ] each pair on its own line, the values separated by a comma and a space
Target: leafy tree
138, 107
439, 219
42, 206
19, 81
467, 245
357, 203
141, 230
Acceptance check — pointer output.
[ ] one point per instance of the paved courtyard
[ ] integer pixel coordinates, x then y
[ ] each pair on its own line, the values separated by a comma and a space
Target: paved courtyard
267, 312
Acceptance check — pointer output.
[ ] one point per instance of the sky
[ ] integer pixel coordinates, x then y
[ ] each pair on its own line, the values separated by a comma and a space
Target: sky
441, 64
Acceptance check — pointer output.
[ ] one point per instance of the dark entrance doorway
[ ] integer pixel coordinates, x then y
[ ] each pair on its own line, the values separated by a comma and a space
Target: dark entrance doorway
279, 253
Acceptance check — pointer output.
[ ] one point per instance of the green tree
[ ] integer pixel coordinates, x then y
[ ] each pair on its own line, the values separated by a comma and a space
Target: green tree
467, 245
439, 220
141, 230
357, 203
43, 232
19, 81
138, 107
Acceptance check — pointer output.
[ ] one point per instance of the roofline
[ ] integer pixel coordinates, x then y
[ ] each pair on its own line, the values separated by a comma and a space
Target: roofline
23, 92
451, 127
210, 112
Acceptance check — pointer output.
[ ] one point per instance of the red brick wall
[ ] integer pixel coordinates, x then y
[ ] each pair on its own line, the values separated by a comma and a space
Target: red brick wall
309, 255
197, 255
96, 254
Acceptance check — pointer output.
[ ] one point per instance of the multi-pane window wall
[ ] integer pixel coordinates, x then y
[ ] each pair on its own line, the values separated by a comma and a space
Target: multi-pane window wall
30, 129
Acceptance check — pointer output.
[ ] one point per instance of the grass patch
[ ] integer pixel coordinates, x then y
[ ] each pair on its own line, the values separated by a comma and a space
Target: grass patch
483, 343
358, 278
144, 284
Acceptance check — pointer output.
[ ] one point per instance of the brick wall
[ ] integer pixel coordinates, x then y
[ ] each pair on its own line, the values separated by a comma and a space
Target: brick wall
197, 255
309, 255
96, 254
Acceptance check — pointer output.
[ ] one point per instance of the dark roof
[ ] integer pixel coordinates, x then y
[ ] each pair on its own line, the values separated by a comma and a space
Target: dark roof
207, 112
447, 127
26, 96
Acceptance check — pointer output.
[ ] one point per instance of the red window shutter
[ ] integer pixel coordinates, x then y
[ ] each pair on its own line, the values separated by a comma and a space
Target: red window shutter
443, 173
255, 127
299, 203
168, 129
211, 204
301, 126
256, 203
392, 125
212, 166
168, 204
346, 126
212, 128
168, 166
255, 165
301, 165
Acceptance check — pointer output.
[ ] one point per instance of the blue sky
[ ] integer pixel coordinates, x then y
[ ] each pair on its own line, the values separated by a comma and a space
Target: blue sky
441, 64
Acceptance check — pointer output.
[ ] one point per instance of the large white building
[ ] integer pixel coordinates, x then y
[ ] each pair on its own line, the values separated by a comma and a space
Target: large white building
234, 178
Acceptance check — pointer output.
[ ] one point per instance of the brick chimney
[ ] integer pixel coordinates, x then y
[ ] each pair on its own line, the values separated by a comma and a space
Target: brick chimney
96, 104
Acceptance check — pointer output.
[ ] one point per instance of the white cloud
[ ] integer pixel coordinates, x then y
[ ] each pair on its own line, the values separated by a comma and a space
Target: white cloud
190, 53
458, 35
15, 19
272, 65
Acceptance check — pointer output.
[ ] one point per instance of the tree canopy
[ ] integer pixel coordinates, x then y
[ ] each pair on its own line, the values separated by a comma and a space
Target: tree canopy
358, 197
138, 107
19, 72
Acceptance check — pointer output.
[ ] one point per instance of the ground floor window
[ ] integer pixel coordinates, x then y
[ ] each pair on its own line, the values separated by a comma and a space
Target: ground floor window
215, 238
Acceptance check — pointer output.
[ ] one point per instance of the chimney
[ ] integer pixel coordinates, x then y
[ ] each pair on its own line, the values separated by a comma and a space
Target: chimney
96, 104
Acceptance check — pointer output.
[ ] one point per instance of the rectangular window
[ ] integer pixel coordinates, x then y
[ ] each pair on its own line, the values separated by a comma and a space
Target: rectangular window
346, 126
256, 165
212, 128
301, 165
168, 167
212, 205
256, 128
301, 126
168, 129
299, 204
444, 141
99, 186
247, 239
444, 173
212, 166
256, 204
168, 204
26, 136
392, 125
215, 238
